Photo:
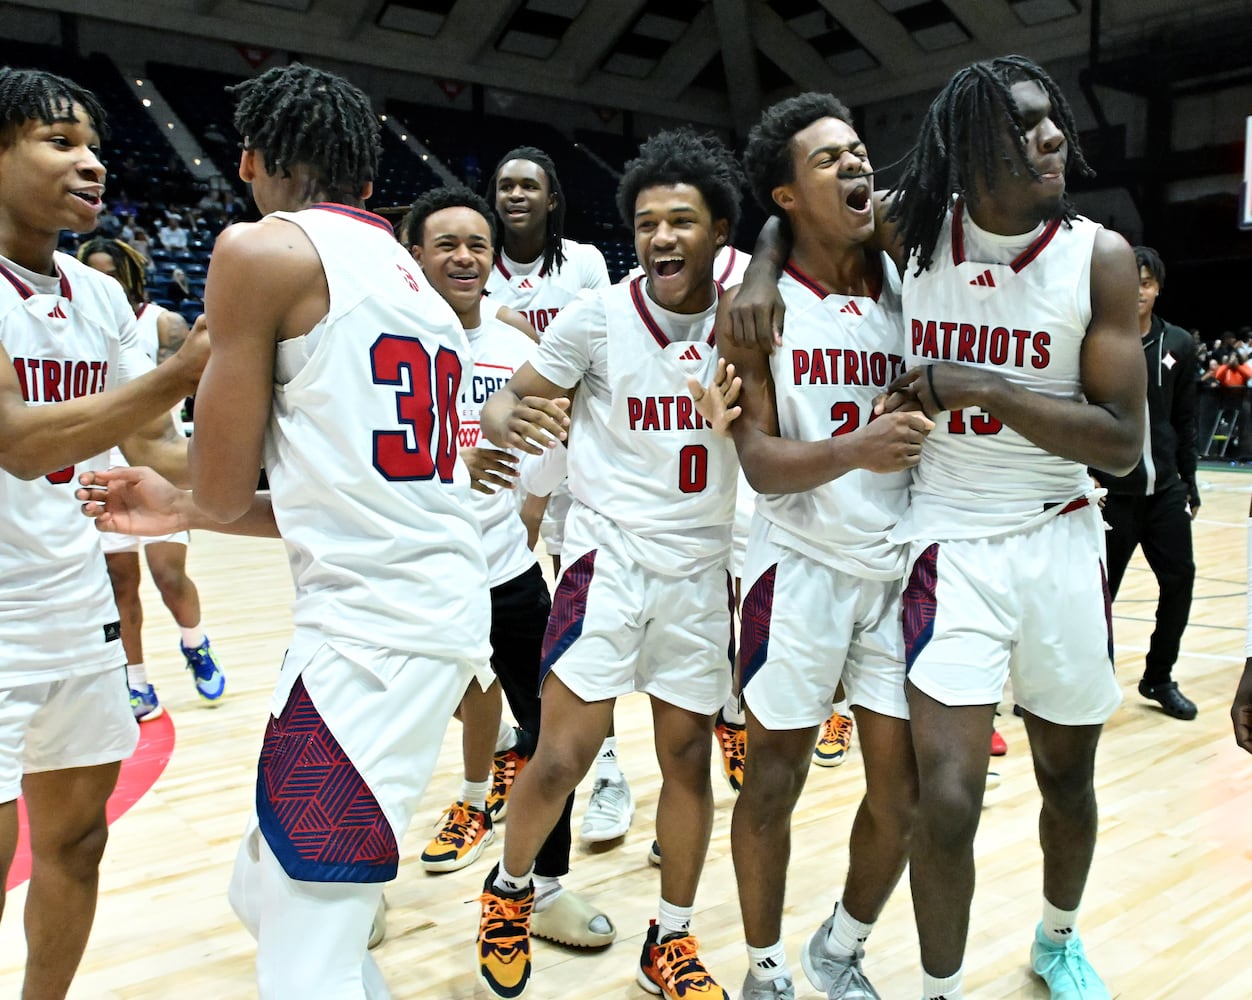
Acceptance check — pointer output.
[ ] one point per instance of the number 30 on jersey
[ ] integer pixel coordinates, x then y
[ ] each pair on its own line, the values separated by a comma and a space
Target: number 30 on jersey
425, 406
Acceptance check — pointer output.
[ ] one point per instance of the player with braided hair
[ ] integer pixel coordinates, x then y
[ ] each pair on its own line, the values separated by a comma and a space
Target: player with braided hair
160, 332
1022, 330
335, 364
642, 603
66, 335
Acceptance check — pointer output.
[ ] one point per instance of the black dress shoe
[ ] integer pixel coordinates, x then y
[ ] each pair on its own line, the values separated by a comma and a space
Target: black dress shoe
1173, 701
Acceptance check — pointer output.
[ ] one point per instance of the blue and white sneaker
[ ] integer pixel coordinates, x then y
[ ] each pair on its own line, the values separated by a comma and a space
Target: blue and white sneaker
207, 672
143, 702
1064, 967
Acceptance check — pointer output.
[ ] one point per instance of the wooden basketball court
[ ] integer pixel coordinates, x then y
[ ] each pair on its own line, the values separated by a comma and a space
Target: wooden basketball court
1166, 913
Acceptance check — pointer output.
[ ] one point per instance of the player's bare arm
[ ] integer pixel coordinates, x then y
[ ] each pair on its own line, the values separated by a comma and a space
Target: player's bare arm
159, 444
139, 501
37, 440
265, 284
172, 331
1104, 430
776, 464
529, 414
490, 469
756, 320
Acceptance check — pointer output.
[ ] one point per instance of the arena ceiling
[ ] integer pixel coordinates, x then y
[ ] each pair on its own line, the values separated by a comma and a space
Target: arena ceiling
711, 61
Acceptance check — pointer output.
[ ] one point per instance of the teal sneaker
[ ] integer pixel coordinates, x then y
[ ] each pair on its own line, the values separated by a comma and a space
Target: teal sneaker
205, 670
1064, 967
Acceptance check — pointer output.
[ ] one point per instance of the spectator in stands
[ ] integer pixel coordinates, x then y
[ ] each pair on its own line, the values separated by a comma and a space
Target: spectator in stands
180, 289
140, 242
172, 235
1209, 375
1233, 372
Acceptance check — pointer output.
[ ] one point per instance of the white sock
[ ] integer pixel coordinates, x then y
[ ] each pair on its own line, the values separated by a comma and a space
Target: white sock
547, 888
474, 793
732, 713
606, 762
192, 637
136, 675
673, 919
506, 737
948, 988
842, 709
847, 934
768, 964
1059, 925
513, 884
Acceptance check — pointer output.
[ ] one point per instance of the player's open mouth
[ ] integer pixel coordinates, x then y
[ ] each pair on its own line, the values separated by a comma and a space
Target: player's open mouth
468, 277
858, 198
92, 198
667, 267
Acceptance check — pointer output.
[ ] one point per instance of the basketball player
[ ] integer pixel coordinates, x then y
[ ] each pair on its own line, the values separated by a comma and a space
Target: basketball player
66, 334
451, 236
1023, 341
833, 481
538, 272
643, 598
337, 363
160, 331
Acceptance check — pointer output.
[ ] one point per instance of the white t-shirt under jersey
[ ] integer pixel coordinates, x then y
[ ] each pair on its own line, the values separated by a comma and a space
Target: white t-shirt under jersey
840, 352
67, 336
1018, 306
639, 453
369, 492
498, 350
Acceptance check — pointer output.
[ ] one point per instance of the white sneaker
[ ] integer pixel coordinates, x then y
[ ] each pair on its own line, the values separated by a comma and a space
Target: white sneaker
609, 812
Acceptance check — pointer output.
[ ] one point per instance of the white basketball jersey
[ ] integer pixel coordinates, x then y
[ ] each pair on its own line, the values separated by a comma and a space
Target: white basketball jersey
1017, 306
639, 453
838, 354
66, 336
728, 267
538, 294
369, 493
498, 350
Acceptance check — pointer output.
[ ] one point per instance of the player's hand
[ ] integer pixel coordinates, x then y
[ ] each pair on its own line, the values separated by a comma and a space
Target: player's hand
490, 469
941, 387
1193, 499
716, 401
893, 442
755, 318
1241, 710
537, 423
133, 501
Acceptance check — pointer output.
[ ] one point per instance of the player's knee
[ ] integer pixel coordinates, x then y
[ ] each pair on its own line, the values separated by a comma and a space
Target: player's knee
893, 808
1066, 789
555, 774
952, 806
772, 781
76, 852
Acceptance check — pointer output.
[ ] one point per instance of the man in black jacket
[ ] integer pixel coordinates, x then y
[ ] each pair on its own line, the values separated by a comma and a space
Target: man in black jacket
1155, 504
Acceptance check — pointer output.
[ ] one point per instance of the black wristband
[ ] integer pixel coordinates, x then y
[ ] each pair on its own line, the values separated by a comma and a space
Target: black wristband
930, 381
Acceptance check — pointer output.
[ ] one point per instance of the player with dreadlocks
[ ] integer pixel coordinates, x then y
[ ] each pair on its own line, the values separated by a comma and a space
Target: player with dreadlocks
334, 365
66, 334
160, 332
648, 541
1023, 345
538, 272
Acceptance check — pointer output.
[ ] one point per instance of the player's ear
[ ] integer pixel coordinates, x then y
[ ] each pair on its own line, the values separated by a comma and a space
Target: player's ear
416, 251
783, 196
721, 232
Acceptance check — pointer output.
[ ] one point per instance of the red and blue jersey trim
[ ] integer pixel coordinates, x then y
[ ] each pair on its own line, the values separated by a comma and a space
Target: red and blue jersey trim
640, 301
360, 214
1035, 248
25, 291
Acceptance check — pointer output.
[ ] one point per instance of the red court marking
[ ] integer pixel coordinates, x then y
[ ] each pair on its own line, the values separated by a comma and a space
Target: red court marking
139, 773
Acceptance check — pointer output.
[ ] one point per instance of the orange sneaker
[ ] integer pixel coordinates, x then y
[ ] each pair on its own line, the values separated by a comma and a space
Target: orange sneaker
671, 968
463, 833
834, 742
504, 940
734, 742
505, 767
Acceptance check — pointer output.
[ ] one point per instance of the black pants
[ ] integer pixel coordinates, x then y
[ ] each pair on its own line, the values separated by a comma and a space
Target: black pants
519, 617
1161, 524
